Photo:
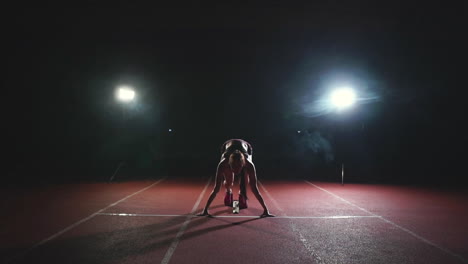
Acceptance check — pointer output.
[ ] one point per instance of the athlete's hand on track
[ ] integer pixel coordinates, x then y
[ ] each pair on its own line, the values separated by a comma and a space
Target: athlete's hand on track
204, 213
266, 214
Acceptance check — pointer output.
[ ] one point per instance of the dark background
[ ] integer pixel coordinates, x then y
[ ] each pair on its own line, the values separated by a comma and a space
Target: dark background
211, 73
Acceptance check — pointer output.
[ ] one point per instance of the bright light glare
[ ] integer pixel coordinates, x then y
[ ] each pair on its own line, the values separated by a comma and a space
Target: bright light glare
125, 94
343, 97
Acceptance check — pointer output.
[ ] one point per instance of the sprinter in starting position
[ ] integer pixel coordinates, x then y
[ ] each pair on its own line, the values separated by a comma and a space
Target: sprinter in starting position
236, 163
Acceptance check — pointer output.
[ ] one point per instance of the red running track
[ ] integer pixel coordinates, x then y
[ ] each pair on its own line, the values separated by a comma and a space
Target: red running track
154, 222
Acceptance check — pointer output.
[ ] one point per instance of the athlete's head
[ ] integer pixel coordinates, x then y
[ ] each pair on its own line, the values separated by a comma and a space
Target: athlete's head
236, 161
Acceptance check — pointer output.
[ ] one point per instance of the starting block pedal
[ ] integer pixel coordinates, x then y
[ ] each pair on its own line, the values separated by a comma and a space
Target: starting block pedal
235, 207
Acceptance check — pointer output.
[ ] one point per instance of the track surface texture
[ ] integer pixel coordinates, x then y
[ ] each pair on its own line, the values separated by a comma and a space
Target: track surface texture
155, 222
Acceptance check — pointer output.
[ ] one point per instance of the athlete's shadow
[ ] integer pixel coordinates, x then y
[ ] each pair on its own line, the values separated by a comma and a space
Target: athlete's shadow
104, 241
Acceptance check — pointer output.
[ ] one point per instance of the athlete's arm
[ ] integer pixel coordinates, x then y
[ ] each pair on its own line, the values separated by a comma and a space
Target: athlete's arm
218, 182
250, 169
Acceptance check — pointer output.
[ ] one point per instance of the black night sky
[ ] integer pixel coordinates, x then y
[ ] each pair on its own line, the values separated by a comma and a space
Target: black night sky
211, 73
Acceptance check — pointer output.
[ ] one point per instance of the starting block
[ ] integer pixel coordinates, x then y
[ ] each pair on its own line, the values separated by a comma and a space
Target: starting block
235, 207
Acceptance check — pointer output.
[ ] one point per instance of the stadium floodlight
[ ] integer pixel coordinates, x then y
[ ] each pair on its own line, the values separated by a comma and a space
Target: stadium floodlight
342, 98
125, 93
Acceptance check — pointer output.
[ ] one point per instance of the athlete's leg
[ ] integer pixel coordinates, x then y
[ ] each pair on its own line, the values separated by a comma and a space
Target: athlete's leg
228, 183
243, 190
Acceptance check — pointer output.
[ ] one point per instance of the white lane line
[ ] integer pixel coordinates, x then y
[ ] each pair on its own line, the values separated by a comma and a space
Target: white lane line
245, 216
144, 215
331, 217
175, 242
303, 240
61, 232
394, 224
